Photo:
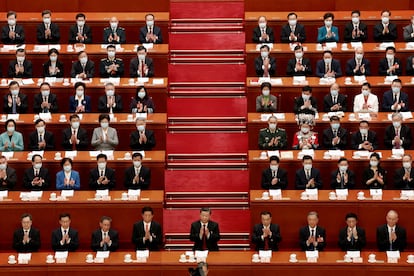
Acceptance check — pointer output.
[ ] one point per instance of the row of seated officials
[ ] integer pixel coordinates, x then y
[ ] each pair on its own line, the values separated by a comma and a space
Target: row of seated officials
205, 234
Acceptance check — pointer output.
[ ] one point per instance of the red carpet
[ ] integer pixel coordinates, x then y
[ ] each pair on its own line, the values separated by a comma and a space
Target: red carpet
206, 10
179, 73
207, 41
222, 107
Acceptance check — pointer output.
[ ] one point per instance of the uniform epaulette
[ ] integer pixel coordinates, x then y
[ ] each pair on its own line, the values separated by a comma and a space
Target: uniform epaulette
103, 59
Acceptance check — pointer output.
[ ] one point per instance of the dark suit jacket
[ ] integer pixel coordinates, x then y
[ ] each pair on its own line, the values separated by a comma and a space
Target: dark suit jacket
94, 175
55, 34
22, 109
383, 67
59, 65
29, 176
38, 100
408, 30
104, 66
388, 101
304, 236
82, 136
73, 103
27, 73
155, 30
10, 181
103, 101
328, 103
57, 237
211, 242
368, 174
97, 238
351, 64
32, 246
328, 136
119, 31
352, 245
259, 63
403, 184
299, 32
86, 31
409, 67
301, 180
144, 173
257, 33
267, 177
299, 102
133, 67
138, 234
48, 137
18, 29
383, 240
405, 135
356, 139
77, 69
290, 69
349, 185
349, 27
272, 241
391, 36
134, 140
335, 66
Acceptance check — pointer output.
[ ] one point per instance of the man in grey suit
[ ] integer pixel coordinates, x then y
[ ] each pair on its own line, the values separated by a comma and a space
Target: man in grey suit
409, 31
104, 137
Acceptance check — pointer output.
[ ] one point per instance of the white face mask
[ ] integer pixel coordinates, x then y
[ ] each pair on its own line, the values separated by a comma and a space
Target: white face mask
365, 92
83, 60
389, 56
307, 166
47, 20
41, 129
304, 129
137, 164
79, 93
407, 165
334, 92
141, 57
53, 58
373, 163
20, 59
3, 166
150, 23
111, 54
114, 25
343, 168
274, 167
75, 125
264, 54
45, 93
37, 166
385, 20
327, 60
272, 126
328, 23
141, 128
141, 95
101, 165
355, 20
299, 55
10, 129
395, 90
80, 23
266, 92
305, 97
14, 92
292, 22
363, 131
11, 22
396, 124
335, 126
104, 125
110, 93
262, 25
67, 168
359, 56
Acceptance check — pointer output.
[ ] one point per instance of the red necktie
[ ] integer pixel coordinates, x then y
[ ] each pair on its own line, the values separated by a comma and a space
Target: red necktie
204, 247
74, 144
142, 69
266, 243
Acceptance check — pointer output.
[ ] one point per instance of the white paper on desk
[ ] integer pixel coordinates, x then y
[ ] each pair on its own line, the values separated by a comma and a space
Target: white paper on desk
384, 45
37, 194
45, 116
273, 153
360, 78
61, 254
310, 152
311, 191
409, 45
115, 81
102, 192
108, 153
4, 193
54, 46
38, 152
286, 155
80, 115
331, 45
41, 48
406, 115
339, 153
265, 253
9, 47
364, 116
158, 81
264, 79
24, 256
132, 192
71, 153
201, 253
50, 79
299, 79
336, 113
341, 192
94, 153
14, 117
354, 254
393, 254
142, 253
141, 116
279, 116
312, 254
143, 80
375, 192
362, 153
356, 44
397, 152
403, 192
8, 154
265, 117
67, 193
389, 79
24, 194
275, 192
148, 45
141, 152
102, 254
276, 81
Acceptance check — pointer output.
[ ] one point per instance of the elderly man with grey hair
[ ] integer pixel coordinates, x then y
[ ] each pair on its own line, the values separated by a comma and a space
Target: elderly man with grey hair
397, 135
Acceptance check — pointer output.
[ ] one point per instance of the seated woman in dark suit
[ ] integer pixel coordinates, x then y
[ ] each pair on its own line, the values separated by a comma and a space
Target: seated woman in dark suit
80, 103
142, 103
53, 67
374, 176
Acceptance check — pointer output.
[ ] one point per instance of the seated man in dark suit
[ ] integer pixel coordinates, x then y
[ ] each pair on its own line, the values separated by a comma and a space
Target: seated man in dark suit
142, 138
12, 33
83, 68
137, 176
404, 176
358, 66
262, 33
41, 139
410, 66
342, 178
335, 137
147, 233
328, 67
111, 66
80, 32
312, 236
102, 177
114, 34
351, 237
48, 32
395, 100
150, 33
391, 236
45, 102
20, 67
390, 65
409, 31
110, 102
385, 31
355, 31
105, 238
26, 239
364, 139
205, 233
274, 177
65, 238
293, 31
75, 137
36, 178
299, 66
8, 177
308, 177
334, 101
305, 104
266, 235
141, 66
15, 102
265, 65
397, 135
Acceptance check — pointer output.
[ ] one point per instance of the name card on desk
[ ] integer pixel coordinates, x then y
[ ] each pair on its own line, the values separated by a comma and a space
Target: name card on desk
148, 45
406, 115
139, 115
341, 193
142, 153
8, 154
312, 194
264, 79
14, 117
158, 81
312, 254
67, 193
409, 45
71, 154
404, 193
24, 257
356, 44
271, 153
132, 192
299, 79
102, 254
360, 79
61, 255
142, 253
364, 116
393, 254
331, 45
41, 48
389, 79
354, 254
265, 117
50, 79
265, 253
4, 194
280, 116
102, 192
201, 253
45, 116
397, 152
276, 193
385, 45
276, 81
143, 80
376, 194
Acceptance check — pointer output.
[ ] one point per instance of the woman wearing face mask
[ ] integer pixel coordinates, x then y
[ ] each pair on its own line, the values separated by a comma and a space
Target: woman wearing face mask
305, 138
104, 137
79, 102
67, 179
328, 32
11, 140
53, 67
142, 103
374, 177
266, 102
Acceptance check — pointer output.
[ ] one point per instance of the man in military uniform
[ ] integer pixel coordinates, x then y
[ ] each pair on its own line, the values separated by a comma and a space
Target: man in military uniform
114, 34
111, 67
272, 138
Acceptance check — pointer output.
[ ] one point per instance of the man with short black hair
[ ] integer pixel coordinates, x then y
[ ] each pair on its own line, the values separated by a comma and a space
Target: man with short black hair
274, 177
137, 176
266, 235
26, 239
205, 233
105, 238
147, 233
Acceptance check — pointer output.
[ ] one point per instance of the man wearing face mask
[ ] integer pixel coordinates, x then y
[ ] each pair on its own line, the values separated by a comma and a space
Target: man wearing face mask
366, 102
342, 178
80, 32
20, 67
36, 178
45, 102
102, 177
48, 31
305, 104
41, 139
272, 138
15, 102
328, 67
104, 137
328, 33
404, 176
364, 139
83, 68
335, 137
409, 31
137, 176
395, 100
334, 101
265, 64
355, 31
75, 137
274, 177
385, 31
262, 33
114, 34
141, 66
299, 66
8, 176
110, 102
397, 135
293, 31
111, 67
12, 33
390, 65
150, 33
358, 66
266, 102
308, 177
142, 138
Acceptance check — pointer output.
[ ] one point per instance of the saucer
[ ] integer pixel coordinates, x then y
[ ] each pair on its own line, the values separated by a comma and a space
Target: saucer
50, 262
58, 158
52, 199
266, 198
128, 261
182, 261
410, 262
89, 261
62, 121
372, 261
12, 262
66, 83
255, 261
293, 261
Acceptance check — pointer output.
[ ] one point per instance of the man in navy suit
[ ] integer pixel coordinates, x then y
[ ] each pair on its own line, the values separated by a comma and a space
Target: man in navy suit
41, 139
80, 32
147, 233
358, 66
26, 239
274, 177
83, 68
404, 176
45, 101
391, 236
395, 100
20, 67
12, 33
105, 238
48, 31
334, 101
390, 65
65, 238
150, 33
385, 31
36, 178
75, 137
266, 235
263, 33
308, 177
335, 137
102, 177
351, 237
293, 31
137, 176
397, 135
328, 67
364, 139
312, 237
355, 30
265, 64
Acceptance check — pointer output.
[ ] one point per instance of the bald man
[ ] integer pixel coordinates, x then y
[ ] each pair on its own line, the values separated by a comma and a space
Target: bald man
114, 34
390, 236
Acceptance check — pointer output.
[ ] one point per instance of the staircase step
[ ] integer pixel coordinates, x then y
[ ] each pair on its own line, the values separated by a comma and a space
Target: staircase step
211, 42
213, 73
206, 10
222, 107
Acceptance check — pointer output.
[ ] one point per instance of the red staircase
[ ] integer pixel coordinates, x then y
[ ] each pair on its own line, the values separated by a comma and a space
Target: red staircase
207, 141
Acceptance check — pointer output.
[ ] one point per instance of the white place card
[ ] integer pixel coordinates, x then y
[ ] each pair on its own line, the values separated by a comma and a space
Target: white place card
94, 153
8, 154
407, 193
50, 79
148, 45
331, 45
375, 192
157, 81
276, 193
102, 192
273, 153
393, 254
201, 253
102, 254
37, 194
265, 117
265, 253
54, 46
406, 115
276, 81
299, 79
286, 155
312, 254
45, 116
141, 116
27, 81
61, 254
143, 80
14, 117
67, 193
132, 192
71, 153
4, 193
341, 192
141, 151
280, 116
398, 152
24, 256
354, 254
311, 192
356, 44
142, 253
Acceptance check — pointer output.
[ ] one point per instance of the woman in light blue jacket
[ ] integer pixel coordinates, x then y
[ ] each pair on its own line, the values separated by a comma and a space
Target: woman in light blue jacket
11, 140
67, 179
328, 32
